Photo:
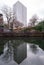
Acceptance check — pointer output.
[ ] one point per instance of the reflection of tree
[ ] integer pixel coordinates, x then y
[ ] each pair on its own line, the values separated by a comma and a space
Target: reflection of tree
7, 56
38, 41
2, 42
34, 48
35, 40
1, 49
14, 49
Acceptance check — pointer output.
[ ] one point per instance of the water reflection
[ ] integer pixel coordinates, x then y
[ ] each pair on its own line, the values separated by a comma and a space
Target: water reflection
20, 53
34, 48
17, 51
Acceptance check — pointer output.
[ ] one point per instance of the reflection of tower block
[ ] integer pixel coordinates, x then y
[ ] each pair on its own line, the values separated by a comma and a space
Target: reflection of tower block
20, 53
1, 22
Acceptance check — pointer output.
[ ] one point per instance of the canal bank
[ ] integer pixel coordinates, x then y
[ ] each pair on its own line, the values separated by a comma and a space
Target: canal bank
22, 34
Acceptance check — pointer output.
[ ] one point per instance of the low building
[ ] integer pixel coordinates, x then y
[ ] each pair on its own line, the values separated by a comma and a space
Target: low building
1, 22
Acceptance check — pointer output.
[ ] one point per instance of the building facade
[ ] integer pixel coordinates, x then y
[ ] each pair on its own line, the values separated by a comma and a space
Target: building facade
1, 22
20, 12
1, 19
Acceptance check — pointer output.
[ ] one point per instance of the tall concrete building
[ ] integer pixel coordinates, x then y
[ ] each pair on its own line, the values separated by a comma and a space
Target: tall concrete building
20, 12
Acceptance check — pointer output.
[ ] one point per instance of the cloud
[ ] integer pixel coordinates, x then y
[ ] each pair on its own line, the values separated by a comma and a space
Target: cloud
33, 6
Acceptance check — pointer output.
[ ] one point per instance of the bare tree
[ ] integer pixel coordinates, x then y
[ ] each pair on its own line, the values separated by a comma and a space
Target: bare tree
10, 16
16, 24
33, 20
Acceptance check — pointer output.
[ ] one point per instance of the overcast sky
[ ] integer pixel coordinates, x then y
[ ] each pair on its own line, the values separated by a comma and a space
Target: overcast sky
33, 6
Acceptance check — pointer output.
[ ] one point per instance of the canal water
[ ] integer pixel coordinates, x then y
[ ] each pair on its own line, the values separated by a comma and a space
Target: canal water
22, 51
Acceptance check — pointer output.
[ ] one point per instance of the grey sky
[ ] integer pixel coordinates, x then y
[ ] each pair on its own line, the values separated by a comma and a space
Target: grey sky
33, 6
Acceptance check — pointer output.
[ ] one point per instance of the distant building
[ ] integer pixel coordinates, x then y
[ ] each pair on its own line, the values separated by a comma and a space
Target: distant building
1, 19
1, 22
20, 12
